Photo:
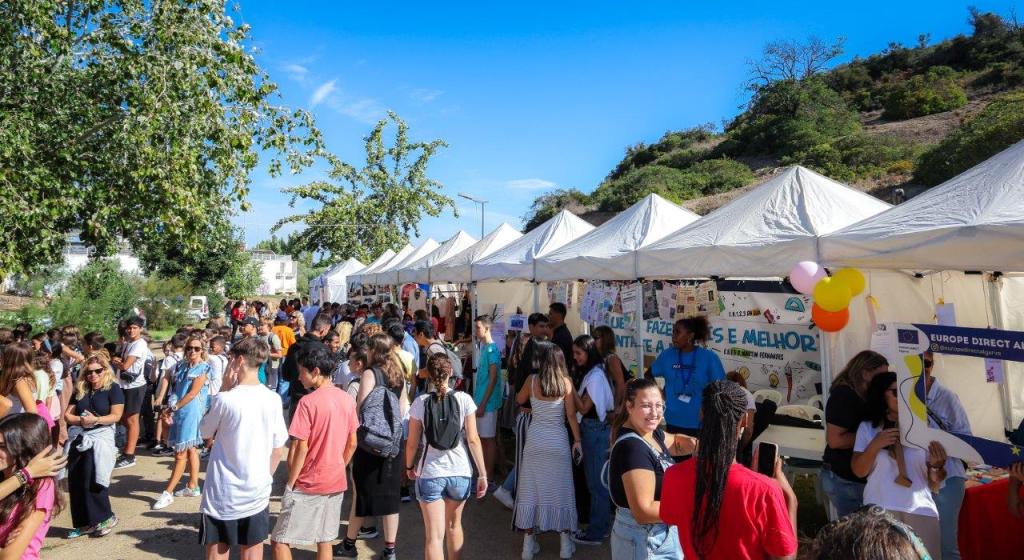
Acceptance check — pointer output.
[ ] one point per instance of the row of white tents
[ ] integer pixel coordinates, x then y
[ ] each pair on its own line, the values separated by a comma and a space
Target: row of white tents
959, 242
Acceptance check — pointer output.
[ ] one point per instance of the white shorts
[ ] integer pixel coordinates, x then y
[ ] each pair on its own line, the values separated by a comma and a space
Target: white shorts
487, 425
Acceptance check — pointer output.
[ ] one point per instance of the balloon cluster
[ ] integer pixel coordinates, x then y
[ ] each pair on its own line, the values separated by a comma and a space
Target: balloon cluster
832, 294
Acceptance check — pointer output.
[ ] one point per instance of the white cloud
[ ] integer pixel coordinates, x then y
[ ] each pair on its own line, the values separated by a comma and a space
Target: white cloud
322, 92
296, 72
532, 184
424, 95
367, 109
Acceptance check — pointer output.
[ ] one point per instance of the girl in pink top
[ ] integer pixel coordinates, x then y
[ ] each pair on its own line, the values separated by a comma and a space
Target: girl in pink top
25, 514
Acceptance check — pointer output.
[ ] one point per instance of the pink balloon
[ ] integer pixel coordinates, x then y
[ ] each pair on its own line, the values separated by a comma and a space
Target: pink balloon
805, 276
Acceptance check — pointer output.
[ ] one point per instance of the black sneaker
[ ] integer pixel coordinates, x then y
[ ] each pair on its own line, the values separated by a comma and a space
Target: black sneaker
154, 445
388, 554
165, 452
367, 533
157, 447
124, 462
340, 551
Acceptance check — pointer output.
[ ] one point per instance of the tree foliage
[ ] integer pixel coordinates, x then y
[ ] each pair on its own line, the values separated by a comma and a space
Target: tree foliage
243, 276
548, 204
936, 91
131, 120
96, 297
363, 212
994, 129
200, 266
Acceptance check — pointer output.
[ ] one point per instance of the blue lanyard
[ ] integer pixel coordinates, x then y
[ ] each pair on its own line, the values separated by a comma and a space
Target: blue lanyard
689, 369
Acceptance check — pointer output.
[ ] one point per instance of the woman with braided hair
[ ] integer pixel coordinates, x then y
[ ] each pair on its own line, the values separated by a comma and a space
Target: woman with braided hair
724, 510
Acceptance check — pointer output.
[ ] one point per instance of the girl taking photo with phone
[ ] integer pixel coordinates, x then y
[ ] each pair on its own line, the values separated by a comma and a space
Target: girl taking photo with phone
724, 510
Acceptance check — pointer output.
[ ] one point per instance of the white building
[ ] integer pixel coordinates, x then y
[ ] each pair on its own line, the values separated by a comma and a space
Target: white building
278, 273
77, 255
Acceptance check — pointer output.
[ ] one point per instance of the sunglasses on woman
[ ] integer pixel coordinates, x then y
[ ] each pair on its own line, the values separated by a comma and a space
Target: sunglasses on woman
194, 349
96, 371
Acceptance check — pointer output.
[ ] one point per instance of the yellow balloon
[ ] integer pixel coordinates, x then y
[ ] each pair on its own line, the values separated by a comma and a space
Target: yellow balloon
832, 295
853, 279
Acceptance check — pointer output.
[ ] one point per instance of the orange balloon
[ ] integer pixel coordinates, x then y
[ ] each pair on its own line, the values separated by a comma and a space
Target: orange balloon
830, 321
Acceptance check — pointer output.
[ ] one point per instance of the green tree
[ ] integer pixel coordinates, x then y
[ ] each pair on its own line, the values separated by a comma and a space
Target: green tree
991, 131
131, 120
96, 298
200, 266
934, 92
243, 276
365, 211
548, 204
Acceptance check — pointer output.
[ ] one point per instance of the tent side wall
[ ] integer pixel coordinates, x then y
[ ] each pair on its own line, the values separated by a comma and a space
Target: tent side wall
517, 293
903, 298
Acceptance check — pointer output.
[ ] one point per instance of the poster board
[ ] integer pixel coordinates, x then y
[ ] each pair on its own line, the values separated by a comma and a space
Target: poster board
902, 344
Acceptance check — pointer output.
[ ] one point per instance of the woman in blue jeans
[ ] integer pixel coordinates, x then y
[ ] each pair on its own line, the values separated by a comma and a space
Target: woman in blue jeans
844, 411
639, 457
594, 402
443, 476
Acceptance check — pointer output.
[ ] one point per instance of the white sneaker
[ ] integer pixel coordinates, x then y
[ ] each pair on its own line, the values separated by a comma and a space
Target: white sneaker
505, 497
186, 492
530, 547
567, 548
163, 501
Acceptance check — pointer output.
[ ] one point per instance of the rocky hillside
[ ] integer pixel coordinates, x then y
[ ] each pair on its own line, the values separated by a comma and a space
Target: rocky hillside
907, 118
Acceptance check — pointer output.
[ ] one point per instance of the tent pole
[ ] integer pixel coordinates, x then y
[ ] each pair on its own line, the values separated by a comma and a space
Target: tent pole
995, 302
826, 342
638, 316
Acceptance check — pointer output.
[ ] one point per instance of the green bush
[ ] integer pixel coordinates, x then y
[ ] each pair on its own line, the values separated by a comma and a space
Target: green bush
854, 156
992, 130
643, 154
790, 117
935, 92
702, 178
96, 298
681, 159
164, 301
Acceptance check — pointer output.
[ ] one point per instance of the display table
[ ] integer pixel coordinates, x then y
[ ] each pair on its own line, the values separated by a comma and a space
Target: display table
800, 443
987, 530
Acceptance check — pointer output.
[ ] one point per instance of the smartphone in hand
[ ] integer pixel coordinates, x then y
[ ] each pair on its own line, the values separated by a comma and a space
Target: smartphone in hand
767, 453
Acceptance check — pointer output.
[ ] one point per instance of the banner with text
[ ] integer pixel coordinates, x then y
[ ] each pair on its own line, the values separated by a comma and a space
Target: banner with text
786, 358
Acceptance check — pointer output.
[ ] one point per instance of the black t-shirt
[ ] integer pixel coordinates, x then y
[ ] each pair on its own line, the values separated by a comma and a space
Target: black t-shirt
632, 453
562, 338
847, 410
98, 403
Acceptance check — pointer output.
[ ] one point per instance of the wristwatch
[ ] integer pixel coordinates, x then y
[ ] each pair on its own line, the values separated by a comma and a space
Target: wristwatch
174, 407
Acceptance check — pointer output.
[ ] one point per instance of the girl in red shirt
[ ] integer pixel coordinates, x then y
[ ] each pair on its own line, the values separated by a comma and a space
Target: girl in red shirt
724, 510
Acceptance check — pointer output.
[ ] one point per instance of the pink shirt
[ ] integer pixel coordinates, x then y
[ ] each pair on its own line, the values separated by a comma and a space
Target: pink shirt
44, 502
324, 419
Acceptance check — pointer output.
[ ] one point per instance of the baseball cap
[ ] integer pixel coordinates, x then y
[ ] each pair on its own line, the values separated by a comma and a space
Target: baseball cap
251, 321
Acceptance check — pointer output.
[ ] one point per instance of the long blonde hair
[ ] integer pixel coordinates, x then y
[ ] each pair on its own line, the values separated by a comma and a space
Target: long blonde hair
106, 378
853, 374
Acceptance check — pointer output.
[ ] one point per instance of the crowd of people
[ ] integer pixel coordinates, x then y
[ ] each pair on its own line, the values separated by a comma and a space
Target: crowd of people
374, 401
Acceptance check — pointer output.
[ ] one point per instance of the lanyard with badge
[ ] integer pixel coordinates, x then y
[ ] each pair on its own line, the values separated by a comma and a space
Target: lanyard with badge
686, 375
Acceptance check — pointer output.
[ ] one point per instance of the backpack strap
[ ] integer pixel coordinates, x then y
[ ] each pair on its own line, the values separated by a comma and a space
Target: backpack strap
606, 469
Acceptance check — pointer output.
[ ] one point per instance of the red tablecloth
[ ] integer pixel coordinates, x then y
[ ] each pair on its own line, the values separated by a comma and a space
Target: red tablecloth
987, 530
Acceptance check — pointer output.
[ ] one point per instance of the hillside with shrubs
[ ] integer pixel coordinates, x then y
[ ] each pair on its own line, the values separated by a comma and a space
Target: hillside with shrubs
907, 118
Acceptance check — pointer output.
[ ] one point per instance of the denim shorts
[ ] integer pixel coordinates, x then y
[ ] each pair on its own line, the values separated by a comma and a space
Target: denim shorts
454, 488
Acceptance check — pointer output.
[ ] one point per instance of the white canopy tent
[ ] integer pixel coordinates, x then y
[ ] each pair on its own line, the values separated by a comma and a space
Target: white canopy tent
388, 276
368, 276
762, 234
974, 221
609, 252
516, 260
419, 271
457, 268
332, 285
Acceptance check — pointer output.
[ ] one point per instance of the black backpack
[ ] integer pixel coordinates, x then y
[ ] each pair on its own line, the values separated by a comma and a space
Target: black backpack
442, 421
380, 421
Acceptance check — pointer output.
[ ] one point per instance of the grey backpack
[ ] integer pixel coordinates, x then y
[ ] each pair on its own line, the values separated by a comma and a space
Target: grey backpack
380, 420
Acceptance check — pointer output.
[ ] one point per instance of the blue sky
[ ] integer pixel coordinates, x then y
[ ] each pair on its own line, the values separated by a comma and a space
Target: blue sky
533, 96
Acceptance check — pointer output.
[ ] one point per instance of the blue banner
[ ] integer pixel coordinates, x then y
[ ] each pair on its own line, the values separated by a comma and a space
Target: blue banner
979, 343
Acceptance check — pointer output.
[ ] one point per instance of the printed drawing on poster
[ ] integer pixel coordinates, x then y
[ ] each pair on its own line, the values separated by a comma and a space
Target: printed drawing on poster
786, 358
650, 299
758, 307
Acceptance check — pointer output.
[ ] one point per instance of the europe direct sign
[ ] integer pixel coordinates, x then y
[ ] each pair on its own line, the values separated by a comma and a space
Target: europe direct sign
979, 343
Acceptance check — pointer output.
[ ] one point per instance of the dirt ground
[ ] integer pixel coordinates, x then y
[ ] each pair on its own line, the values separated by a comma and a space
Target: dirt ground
172, 533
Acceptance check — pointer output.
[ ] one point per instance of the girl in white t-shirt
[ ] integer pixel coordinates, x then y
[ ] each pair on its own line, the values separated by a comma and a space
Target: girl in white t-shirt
873, 458
444, 473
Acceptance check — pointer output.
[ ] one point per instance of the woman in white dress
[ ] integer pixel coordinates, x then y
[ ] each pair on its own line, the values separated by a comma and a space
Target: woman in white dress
545, 499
